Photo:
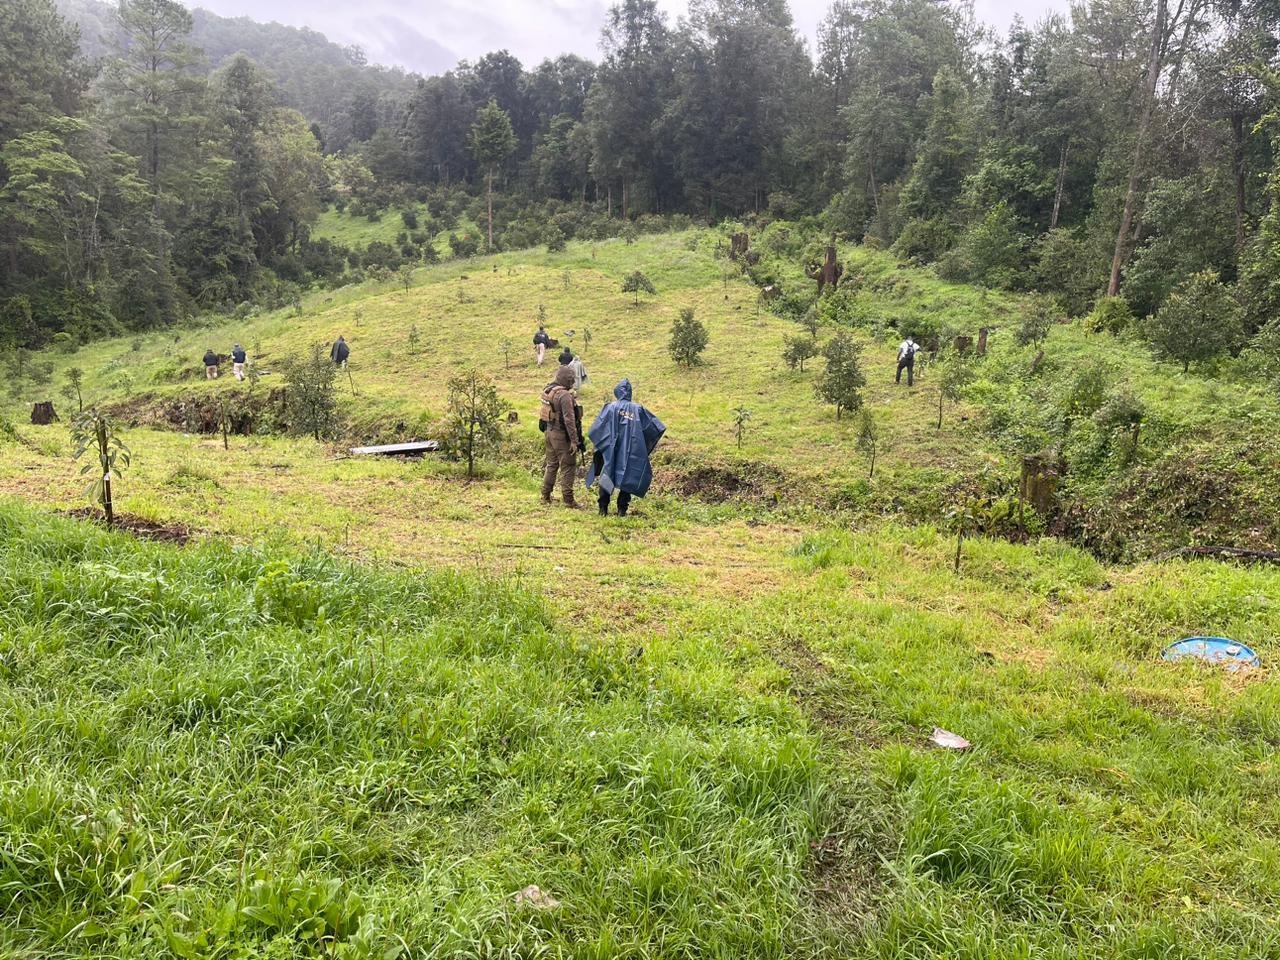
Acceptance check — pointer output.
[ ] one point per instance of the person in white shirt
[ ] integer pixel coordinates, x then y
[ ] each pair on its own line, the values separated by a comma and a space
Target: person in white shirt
907, 358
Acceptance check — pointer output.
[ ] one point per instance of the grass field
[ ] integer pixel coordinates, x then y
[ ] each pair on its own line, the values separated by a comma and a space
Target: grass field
371, 702
358, 232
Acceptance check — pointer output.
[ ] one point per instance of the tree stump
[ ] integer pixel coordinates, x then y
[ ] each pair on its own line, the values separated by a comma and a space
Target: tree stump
739, 243
827, 273
982, 341
963, 344
43, 414
1038, 485
513, 416
770, 292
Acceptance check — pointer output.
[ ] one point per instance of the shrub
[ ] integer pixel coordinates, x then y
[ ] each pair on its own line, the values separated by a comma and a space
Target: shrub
842, 381
464, 245
409, 217
473, 421
689, 338
637, 282
309, 393
797, 350
1035, 325
1199, 321
554, 238
1110, 315
924, 240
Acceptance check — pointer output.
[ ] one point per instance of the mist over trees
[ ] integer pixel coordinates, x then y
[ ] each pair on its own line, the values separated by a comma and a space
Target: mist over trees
155, 163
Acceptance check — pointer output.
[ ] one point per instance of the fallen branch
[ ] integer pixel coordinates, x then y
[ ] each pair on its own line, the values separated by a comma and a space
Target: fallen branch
1230, 553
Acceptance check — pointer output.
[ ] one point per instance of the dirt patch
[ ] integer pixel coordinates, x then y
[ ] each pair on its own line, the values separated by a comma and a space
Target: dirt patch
720, 482
246, 412
140, 527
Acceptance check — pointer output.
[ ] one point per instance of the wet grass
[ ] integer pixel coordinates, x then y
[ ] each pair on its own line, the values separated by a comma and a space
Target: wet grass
372, 701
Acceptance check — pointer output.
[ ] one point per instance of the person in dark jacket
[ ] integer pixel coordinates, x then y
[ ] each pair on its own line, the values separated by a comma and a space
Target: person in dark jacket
339, 352
624, 436
238, 359
562, 439
540, 342
569, 359
210, 365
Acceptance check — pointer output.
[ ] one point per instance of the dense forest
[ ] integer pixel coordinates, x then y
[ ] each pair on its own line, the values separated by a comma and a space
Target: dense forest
156, 162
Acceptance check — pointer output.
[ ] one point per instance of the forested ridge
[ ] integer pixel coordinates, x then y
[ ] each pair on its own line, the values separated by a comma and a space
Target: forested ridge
157, 163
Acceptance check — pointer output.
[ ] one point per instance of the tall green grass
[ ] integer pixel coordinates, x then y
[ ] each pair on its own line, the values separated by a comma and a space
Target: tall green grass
210, 752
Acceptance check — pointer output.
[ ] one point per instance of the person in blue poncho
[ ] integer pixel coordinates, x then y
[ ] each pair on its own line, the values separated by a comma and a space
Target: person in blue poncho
623, 435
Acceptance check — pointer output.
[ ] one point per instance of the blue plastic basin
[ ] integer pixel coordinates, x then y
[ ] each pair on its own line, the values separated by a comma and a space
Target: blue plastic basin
1214, 650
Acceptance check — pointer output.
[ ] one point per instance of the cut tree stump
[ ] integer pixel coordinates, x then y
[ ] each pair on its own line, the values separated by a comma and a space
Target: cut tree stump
42, 413
963, 344
982, 341
739, 243
1038, 485
828, 273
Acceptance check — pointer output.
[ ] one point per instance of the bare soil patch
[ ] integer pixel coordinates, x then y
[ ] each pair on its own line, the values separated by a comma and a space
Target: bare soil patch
175, 533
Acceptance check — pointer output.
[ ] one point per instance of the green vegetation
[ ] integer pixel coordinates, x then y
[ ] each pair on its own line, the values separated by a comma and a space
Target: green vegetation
689, 337
705, 725
472, 426
287, 756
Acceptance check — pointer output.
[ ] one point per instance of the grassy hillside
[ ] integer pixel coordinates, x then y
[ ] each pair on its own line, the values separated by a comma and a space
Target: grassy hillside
465, 312
483, 313
217, 752
373, 701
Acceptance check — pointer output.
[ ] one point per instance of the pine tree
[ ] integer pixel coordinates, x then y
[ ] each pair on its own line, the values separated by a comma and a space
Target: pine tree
492, 142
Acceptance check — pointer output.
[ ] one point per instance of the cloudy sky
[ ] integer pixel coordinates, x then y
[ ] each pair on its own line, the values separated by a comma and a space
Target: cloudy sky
432, 35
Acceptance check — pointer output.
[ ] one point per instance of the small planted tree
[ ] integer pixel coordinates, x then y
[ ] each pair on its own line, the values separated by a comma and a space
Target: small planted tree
868, 439
1035, 326
75, 380
1199, 320
638, 283
415, 340
586, 339
554, 238
689, 338
93, 432
741, 416
809, 320
506, 353
310, 397
956, 374
474, 417
796, 350
842, 382
962, 518
405, 276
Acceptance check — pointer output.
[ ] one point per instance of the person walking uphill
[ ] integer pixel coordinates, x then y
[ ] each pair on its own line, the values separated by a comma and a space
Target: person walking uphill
907, 358
540, 342
339, 352
238, 360
559, 420
210, 365
624, 436
574, 363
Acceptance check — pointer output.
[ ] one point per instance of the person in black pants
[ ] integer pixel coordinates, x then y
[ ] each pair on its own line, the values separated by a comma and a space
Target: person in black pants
907, 359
